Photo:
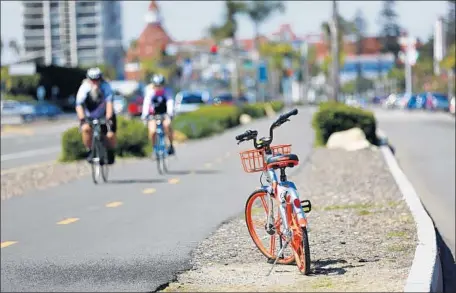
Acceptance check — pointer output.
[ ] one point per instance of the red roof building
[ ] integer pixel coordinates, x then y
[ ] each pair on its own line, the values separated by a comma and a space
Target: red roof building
150, 43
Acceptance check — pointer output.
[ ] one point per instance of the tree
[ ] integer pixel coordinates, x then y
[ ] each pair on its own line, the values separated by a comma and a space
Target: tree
451, 23
260, 11
229, 28
345, 28
391, 30
360, 30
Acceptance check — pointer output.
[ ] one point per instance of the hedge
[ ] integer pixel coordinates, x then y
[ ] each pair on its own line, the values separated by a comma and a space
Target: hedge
333, 117
132, 138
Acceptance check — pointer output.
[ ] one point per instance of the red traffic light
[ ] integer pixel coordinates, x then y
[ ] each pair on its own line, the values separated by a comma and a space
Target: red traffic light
214, 49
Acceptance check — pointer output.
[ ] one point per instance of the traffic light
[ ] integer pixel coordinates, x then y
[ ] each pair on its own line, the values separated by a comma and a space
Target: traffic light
214, 49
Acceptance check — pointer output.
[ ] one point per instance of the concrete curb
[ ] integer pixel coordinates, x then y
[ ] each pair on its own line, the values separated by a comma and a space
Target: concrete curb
425, 273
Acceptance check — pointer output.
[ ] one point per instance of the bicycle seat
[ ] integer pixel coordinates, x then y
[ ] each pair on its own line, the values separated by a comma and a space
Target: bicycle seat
282, 161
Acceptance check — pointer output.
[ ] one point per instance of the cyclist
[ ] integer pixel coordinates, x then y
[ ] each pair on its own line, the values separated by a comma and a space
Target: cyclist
93, 100
157, 101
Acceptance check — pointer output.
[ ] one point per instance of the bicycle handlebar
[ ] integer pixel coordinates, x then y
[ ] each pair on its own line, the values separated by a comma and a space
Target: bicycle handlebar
252, 134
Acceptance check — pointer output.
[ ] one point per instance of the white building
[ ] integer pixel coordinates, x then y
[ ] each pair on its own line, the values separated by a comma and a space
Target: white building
73, 33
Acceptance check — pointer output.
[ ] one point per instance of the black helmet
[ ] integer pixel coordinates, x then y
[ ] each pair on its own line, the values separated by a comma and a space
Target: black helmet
158, 80
94, 73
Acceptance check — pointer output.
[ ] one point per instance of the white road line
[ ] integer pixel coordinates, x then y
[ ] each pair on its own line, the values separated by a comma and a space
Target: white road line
31, 153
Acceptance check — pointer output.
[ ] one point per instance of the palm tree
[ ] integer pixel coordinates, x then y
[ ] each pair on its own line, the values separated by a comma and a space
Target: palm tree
260, 11
229, 28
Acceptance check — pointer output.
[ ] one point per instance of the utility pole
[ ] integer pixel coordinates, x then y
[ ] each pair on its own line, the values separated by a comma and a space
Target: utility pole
335, 51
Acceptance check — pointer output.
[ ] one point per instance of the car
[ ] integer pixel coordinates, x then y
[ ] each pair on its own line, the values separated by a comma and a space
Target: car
119, 103
438, 102
15, 108
135, 106
416, 102
452, 106
47, 110
189, 101
224, 99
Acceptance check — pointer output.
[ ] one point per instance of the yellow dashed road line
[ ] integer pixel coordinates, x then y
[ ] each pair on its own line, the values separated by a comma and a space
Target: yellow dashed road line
114, 204
149, 190
218, 160
7, 243
173, 181
208, 165
68, 221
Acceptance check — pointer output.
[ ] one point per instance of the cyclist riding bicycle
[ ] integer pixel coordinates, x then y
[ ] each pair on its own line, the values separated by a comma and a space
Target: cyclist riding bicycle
94, 100
157, 101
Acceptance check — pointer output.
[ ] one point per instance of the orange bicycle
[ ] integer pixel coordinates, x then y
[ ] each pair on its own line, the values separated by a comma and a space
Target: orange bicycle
283, 225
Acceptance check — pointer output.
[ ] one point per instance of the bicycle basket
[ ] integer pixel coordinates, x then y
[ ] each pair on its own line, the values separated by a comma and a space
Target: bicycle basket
253, 160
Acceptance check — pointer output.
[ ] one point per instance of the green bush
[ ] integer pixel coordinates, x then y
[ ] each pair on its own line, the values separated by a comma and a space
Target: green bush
19, 98
333, 117
277, 105
132, 140
207, 120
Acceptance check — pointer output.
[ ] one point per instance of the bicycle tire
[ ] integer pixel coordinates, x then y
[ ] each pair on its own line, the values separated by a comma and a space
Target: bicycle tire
95, 165
249, 222
105, 166
300, 246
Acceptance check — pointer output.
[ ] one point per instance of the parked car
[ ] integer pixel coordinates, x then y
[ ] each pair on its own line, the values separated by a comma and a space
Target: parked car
189, 101
439, 102
15, 108
452, 107
135, 106
224, 99
120, 104
47, 110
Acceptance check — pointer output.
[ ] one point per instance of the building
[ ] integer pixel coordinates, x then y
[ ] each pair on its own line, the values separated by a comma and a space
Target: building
73, 33
152, 40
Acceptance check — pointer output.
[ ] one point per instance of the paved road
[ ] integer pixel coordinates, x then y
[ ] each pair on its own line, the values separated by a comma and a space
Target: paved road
425, 148
137, 232
32, 144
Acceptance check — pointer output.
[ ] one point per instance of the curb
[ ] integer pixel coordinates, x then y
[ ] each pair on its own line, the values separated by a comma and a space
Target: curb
425, 274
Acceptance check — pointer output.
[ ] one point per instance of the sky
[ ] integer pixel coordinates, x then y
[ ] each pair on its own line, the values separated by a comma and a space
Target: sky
189, 20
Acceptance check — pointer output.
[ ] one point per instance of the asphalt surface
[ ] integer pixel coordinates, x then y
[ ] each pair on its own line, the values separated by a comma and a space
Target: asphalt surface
425, 149
136, 232
32, 144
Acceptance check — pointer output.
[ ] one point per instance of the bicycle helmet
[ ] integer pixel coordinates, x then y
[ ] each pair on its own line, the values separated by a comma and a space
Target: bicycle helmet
94, 73
158, 80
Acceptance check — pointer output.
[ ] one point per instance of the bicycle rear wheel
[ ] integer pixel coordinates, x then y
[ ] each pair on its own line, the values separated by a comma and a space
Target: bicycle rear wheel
269, 243
300, 244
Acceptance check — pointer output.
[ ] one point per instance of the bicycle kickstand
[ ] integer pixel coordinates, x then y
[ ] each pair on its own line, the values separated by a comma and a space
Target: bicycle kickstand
277, 258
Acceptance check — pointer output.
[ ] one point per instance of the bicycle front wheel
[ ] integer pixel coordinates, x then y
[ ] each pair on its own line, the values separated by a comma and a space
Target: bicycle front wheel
300, 245
269, 240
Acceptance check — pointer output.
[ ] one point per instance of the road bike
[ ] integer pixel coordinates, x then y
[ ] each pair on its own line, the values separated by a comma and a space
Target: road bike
161, 147
99, 161
280, 213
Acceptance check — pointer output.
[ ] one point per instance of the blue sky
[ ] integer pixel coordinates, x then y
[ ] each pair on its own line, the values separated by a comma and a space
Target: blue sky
186, 20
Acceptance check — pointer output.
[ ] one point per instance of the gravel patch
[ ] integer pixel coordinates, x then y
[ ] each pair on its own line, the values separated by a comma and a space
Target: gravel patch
362, 235
21, 180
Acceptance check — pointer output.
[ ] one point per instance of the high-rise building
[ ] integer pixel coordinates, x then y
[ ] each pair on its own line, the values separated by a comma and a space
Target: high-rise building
74, 33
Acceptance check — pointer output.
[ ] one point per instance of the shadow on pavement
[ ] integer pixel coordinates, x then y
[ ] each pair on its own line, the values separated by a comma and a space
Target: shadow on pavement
448, 265
199, 172
130, 181
331, 267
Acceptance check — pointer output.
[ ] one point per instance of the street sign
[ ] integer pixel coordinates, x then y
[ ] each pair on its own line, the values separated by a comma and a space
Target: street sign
262, 72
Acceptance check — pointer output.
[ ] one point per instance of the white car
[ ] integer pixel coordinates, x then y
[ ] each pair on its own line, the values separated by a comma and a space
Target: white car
15, 108
452, 105
189, 101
